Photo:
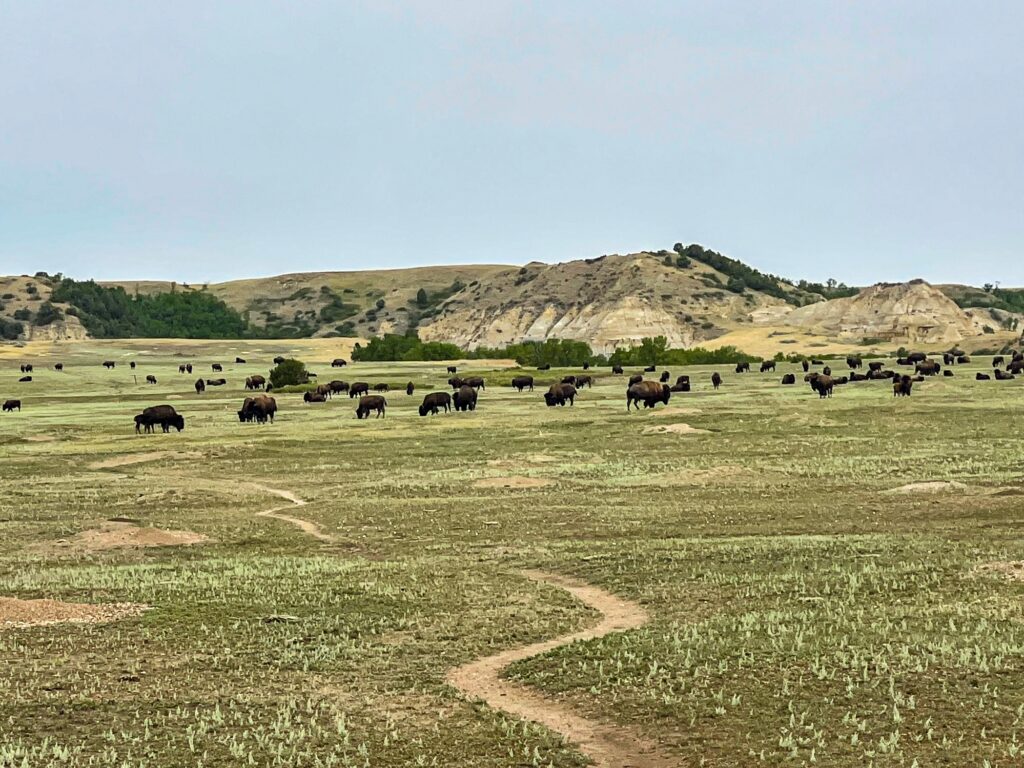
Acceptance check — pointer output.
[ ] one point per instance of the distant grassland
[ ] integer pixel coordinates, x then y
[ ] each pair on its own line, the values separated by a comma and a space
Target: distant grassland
804, 608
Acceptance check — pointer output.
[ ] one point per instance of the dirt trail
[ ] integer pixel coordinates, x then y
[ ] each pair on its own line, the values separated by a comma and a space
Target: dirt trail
306, 526
609, 746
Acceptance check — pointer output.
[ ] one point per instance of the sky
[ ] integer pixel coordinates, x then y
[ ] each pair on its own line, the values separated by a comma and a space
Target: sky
861, 141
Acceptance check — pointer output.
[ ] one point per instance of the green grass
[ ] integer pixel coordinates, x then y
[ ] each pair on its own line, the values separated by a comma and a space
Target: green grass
800, 610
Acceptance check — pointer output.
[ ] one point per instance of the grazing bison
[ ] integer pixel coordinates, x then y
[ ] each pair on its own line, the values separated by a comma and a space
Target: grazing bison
650, 369
358, 388
716, 380
260, 409
164, 415
151, 379
338, 362
216, 382
465, 399
768, 365
217, 368
789, 378
313, 397
200, 386
822, 384
650, 393
434, 402
240, 361
998, 360
25, 379
617, 369
742, 367
10, 405
854, 363
569, 380
636, 378
337, 386
982, 376
476, 382
584, 381
369, 403
256, 381
26, 368
323, 389
927, 368
917, 357
455, 382
382, 387
58, 366
523, 382
902, 386
876, 365
452, 369
108, 364
558, 394
410, 388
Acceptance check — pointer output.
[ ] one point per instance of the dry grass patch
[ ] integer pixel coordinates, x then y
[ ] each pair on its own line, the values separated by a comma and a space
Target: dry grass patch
513, 481
15, 613
930, 486
128, 459
120, 535
679, 428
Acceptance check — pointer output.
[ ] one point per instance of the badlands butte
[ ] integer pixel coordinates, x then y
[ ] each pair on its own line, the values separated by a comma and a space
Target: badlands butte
690, 295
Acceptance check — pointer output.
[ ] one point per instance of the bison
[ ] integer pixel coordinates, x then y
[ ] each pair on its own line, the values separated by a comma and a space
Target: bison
151, 379
569, 380
164, 415
665, 376
313, 397
200, 386
947, 373
742, 367
338, 362
584, 381
617, 370
476, 382
278, 360
108, 364
217, 368
240, 361
260, 409
1003, 375
465, 399
979, 376
26, 367
434, 402
650, 393
10, 405
558, 394
1017, 366
216, 382
132, 365
188, 367
369, 403
682, 384
806, 365
382, 387
716, 380
358, 388
452, 370
822, 384
768, 365
789, 378
545, 367
58, 366
25, 379
181, 369
255, 382
927, 368
854, 363
876, 365
337, 386
636, 378
410, 388
523, 382
650, 369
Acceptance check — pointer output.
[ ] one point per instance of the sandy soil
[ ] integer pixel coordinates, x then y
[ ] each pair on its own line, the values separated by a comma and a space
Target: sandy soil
931, 486
513, 481
674, 429
36, 613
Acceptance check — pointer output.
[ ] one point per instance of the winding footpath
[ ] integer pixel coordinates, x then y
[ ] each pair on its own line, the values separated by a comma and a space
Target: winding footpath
306, 526
609, 746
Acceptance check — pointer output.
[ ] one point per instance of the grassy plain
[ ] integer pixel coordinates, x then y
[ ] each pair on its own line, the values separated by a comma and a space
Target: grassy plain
803, 610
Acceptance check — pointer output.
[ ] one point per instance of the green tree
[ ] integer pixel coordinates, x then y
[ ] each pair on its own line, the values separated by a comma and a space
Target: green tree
289, 373
422, 299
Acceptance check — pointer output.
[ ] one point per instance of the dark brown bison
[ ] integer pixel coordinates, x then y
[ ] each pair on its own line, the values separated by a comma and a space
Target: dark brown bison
822, 384
10, 405
188, 367
523, 382
255, 382
452, 370
337, 387
768, 365
545, 367
569, 380
716, 380
464, 399
216, 382
665, 376
982, 376
584, 381
998, 360
132, 365
260, 408
217, 368
358, 388
240, 361
26, 367
559, 394
817, 362
24, 379
455, 382
636, 378
1003, 375
963, 359
586, 366
858, 377
164, 415
323, 389
410, 388
789, 378
200, 386
108, 364
650, 393
58, 366
278, 360
434, 402
947, 373
1016, 366
369, 403
854, 363
650, 369
476, 382
876, 365
151, 379
382, 387
338, 362
313, 397
947, 359
902, 386
927, 368
181, 369
617, 369
806, 365
742, 367
682, 384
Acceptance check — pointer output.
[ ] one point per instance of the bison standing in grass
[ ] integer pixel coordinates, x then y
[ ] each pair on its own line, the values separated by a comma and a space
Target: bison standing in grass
255, 382
465, 399
523, 382
10, 405
789, 378
902, 386
200, 386
716, 380
358, 388
338, 363
434, 402
369, 403
584, 381
650, 393
260, 409
150, 379
768, 365
822, 384
164, 415
559, 394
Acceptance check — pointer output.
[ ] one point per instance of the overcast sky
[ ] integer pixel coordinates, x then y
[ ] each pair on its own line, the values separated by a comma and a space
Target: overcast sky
206, 140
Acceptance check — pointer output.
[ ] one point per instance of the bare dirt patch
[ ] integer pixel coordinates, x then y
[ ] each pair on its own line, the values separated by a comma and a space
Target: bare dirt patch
16, 613
674, 429
119, 535
677, 410
1010, 569
931, 486
513, 481
40, 439
128, 459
